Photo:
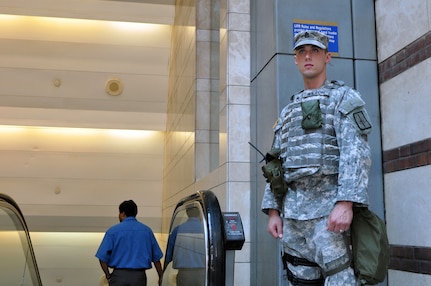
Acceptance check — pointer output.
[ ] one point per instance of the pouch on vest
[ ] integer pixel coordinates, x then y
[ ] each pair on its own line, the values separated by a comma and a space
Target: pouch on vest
311, 114
370, 246
273, 172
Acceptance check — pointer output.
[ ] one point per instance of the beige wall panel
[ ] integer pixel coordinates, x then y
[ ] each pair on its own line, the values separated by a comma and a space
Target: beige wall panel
80, 166
67, 153
116, 120
407, 198
78, 265
402, 278
81, 172
182, 175
81, 90
53, 214
405, 107
85, 193
400, 22
83, 57
94, 9
75, 140
69, 248
62, 30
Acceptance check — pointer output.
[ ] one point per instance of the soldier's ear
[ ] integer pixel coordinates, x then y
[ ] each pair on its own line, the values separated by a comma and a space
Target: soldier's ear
328, 57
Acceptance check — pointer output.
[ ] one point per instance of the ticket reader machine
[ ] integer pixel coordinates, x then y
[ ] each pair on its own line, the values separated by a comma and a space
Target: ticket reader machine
201, 243
234, 240
233, 230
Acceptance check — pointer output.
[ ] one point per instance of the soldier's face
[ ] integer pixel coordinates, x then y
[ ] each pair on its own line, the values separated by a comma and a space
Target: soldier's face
311, 60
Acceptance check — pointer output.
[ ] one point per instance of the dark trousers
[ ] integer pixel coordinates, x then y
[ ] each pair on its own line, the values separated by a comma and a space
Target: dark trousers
128, 277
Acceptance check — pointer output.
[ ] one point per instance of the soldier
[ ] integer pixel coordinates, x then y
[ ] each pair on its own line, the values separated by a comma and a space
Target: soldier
325, 159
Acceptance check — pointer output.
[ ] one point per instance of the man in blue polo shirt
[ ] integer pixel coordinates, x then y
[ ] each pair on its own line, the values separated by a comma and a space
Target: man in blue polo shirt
129, 248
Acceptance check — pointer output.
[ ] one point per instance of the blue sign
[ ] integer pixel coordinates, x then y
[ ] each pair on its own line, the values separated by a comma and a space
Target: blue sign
328, 29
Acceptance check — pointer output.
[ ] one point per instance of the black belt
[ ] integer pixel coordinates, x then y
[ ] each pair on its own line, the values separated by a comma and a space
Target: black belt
304, 262
131, 269
304, 282
298, 260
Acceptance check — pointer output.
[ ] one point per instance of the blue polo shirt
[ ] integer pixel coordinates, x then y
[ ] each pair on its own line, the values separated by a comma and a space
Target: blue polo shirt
129, 244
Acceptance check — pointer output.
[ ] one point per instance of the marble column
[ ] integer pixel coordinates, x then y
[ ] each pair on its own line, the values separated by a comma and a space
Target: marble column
235, 119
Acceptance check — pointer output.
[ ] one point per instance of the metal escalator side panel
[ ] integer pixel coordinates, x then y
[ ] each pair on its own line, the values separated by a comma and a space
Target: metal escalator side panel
216, 249
195, 253
18, 264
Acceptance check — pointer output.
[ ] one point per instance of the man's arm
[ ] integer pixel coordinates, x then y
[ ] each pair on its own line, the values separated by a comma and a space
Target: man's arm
355, 160
165, 265
158, 266
105, 269
355, 153
275, 224
352, 177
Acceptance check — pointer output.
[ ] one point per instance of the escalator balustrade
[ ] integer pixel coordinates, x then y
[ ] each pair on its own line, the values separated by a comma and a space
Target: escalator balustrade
17, 261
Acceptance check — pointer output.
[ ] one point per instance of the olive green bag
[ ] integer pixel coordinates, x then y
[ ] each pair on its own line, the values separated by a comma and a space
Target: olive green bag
273, 172
370, 246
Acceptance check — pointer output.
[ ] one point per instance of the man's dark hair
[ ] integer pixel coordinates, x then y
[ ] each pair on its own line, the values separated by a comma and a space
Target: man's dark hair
129, 208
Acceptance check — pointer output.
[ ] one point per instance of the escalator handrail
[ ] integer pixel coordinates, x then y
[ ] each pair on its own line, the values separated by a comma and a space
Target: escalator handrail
215, 248
13, 206
10, 201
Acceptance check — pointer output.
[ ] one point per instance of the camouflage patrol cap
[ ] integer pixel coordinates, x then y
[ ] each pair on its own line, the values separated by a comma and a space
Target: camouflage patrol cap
311, 38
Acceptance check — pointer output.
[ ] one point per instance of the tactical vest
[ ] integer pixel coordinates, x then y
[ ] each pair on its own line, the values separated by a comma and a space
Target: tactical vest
311, 147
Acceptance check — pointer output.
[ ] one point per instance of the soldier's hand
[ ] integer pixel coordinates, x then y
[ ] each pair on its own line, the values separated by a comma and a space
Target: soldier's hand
275, 224
340, 218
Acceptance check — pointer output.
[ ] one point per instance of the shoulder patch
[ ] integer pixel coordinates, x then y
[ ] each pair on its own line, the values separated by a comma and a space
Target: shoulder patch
352, 106
362, 121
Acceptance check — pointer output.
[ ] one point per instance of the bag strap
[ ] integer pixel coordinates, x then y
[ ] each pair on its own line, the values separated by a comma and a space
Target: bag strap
346, 264
348, 244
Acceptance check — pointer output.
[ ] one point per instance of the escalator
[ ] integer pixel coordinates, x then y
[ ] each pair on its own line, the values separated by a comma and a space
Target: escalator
200, 252
201, 243
17, 261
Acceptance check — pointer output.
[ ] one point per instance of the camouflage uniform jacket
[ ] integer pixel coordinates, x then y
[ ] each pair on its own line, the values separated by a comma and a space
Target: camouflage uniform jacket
351, 126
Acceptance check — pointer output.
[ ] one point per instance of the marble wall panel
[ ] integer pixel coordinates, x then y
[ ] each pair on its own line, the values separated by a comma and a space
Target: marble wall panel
408, 198
405, 107
399, 23
401, 278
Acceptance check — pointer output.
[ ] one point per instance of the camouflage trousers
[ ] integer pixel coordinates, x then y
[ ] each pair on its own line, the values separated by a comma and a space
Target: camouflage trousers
311, 240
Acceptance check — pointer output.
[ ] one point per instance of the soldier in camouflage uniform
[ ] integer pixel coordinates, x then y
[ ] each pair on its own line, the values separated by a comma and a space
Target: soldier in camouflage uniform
322, 136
